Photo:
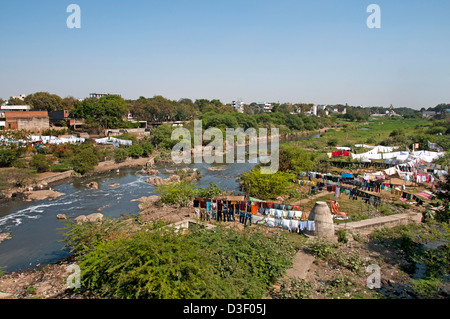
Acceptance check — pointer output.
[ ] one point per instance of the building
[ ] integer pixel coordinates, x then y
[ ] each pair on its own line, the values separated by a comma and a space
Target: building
263, 107
238, 105
20, 97
58, 117
24, 120
429, 114
312, 111
99, 95
132, 119
10, 108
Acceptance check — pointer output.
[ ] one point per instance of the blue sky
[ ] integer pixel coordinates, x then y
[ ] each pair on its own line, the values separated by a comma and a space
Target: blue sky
259, 50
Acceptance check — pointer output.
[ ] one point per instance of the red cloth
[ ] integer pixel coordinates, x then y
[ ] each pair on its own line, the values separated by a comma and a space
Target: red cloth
338, 153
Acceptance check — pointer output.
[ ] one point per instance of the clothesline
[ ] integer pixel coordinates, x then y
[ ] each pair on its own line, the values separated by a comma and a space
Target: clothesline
254, 211
44, 140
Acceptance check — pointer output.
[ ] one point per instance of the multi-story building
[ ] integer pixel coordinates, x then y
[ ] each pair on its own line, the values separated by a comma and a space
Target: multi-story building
57, 118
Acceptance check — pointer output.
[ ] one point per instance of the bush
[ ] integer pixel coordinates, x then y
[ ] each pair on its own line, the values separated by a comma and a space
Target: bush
210, 192
203, 264
177, 193
135, 151
266, 186
8, 156
296, 289
41, 163
147, 149
342, 236
120, 155
84, 160
427, 288
321, 248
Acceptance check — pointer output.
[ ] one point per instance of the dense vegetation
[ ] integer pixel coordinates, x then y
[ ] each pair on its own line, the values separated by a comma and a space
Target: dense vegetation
163, 264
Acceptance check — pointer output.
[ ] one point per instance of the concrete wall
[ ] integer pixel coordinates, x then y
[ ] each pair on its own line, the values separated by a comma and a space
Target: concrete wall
369, 225
33, 123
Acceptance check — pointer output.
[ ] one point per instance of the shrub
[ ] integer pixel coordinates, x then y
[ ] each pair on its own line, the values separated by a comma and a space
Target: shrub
8, 156
41, 163
296, 289
177, 193
135, 151
84, 160
210, 192
147, 149
266, 186
342, 236
427, 288
120, 155
321, 248
203, 264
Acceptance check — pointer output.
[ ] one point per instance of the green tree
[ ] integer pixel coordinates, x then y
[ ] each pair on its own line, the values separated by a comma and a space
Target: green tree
41, 163
44, 101
84, 160
8, 155
295, 159
177, 193
108, 110
120, 155
266, 186
163, 137
209, 192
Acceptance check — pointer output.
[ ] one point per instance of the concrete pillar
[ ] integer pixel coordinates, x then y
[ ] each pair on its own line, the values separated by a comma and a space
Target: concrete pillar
321, 215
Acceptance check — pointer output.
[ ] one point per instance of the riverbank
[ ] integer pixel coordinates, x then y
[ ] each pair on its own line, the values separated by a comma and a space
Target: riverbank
332, 270
42, 185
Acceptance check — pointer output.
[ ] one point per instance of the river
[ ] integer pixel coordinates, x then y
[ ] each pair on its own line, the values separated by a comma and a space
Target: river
36, 232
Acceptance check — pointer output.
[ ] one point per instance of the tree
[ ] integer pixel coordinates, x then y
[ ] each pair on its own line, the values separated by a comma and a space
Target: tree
84, 160
44, 101
120, 155
163, 136
295, 159
108, 110
181, 193
41, 163
210, 192
70, 103
266, 186
8, 155
15, 101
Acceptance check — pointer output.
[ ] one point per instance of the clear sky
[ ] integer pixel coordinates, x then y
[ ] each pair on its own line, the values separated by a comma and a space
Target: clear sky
258, 50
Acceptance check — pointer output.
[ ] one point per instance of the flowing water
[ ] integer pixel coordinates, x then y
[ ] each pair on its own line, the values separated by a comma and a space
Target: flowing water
37, 232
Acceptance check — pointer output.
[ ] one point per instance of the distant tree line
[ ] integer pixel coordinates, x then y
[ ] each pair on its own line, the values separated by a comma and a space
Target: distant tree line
110, 111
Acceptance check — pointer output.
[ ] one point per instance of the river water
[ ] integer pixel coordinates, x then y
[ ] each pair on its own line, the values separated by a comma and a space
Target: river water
36, 232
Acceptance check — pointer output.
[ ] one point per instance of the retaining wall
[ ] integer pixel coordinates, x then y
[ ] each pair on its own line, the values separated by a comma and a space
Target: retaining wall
368, 225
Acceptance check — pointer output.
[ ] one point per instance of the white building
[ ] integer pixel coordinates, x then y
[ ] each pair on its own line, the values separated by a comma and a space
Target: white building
11, 108
312, 111
238, 105
263, 107
20, 97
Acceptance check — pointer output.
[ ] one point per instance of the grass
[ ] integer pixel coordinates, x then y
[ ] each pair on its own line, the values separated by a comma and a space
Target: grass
356, 209
379, 129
